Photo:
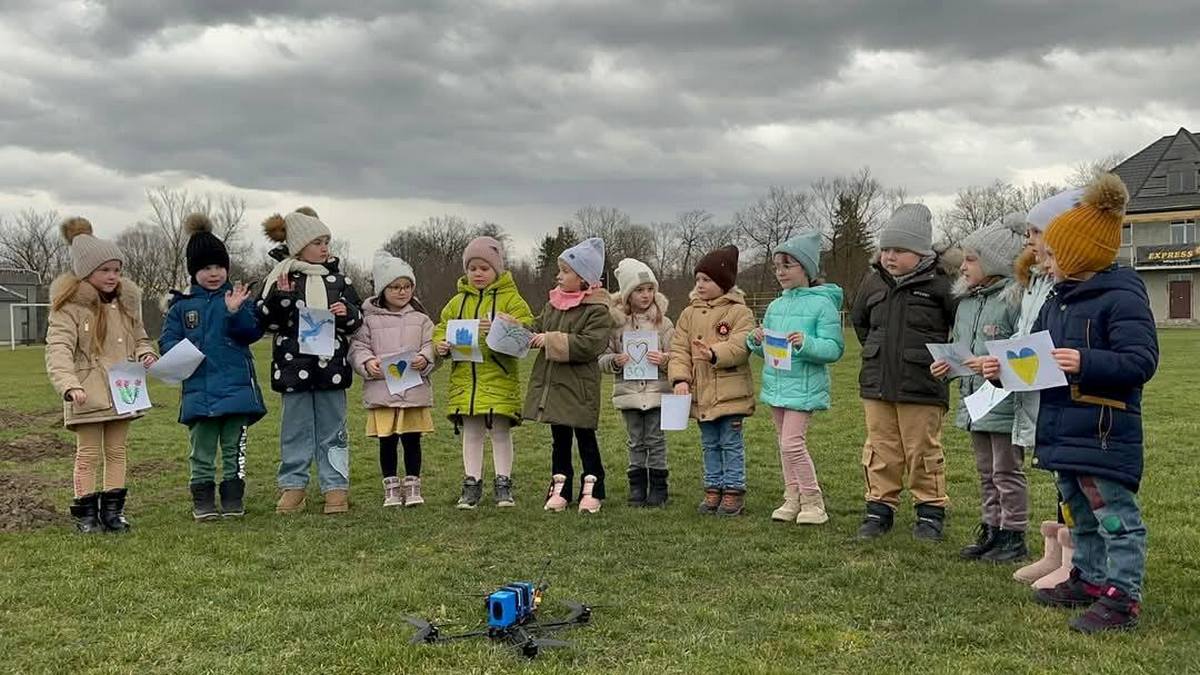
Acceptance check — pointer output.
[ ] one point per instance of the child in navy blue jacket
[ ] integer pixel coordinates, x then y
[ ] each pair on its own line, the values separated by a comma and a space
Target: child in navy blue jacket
1090, 432
221, 399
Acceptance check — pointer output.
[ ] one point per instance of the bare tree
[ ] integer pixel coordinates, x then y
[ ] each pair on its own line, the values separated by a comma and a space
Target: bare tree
770, 221
434, 249
31, 241
169, 207
622, 239
145, 264
1085, 172
976, 207
691, 229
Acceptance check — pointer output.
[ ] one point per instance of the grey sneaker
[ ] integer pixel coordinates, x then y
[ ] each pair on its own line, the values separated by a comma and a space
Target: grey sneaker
472, 492
502, 491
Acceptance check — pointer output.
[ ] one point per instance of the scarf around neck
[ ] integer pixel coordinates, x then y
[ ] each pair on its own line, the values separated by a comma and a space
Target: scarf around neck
314, 294
564, 300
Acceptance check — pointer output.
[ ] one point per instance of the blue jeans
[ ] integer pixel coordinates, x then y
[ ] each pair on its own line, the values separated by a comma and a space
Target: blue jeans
724, 453
314, 428
1106, 525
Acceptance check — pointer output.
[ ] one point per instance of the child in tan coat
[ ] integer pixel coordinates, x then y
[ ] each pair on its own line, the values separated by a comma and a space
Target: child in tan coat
95, 323
710, 361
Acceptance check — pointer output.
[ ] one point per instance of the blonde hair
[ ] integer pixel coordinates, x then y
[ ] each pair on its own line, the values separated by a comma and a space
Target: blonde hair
67, 292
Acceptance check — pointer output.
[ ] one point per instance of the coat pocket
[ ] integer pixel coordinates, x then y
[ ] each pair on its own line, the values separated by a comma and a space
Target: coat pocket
732, 385
95, 384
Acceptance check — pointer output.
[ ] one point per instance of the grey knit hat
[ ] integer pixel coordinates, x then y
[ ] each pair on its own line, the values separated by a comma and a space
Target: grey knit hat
88, 252
587, 259
910, 228
998, 245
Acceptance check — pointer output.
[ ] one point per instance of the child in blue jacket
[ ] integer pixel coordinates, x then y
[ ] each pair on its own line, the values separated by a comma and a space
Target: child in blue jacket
221, 399
809, 314
1090, 432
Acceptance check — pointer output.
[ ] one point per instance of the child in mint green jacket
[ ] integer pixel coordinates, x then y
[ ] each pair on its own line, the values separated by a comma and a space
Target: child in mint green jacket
808, 313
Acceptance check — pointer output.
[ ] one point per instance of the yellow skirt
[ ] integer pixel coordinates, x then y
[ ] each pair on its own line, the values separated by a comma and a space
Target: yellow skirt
391, 421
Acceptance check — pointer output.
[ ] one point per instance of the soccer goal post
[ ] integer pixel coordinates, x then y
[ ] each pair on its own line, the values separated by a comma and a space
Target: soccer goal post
12, 321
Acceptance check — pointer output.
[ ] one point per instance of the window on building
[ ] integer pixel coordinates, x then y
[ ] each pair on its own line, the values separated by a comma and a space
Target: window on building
1127, 235
1182, 181
1183, 232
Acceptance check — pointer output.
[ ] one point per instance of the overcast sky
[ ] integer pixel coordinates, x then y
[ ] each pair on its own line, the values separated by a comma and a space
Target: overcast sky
520, 111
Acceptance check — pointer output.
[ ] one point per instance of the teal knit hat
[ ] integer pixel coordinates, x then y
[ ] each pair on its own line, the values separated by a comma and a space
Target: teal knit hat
806, 248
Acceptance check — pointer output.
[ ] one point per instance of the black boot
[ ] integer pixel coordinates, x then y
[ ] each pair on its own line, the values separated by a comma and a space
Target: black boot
204, 501
985, 540
112, 510
1010, 547
877, 522
657, 496
85, 510
931, 522
232, 492
637, 485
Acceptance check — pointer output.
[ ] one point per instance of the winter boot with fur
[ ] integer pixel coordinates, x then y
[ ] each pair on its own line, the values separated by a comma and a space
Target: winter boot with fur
711, 502
204, 501
787, 512
1115, 610
588, 503
733, 503
812, 510
555, 501
392, 495
86, 511
656, 496
1064, 569
412, 491
233, 493
1051, 555
502, 492
877, 521
985, 539
931, 523
337, 501
291, 500
638, 482
112, 510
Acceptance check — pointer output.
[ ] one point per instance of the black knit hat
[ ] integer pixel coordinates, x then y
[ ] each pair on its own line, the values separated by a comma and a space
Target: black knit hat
203, 247
721, 265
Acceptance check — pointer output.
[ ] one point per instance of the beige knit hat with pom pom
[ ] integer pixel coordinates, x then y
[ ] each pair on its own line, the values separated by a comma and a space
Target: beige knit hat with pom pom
297, 229
88, 252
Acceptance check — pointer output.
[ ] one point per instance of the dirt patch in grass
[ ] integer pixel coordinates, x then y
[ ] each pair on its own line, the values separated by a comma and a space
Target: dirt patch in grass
35, 447
152, 467
19, 419
22, 506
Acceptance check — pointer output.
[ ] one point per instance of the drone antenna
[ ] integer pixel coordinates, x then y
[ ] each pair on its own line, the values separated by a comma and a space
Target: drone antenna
542, 584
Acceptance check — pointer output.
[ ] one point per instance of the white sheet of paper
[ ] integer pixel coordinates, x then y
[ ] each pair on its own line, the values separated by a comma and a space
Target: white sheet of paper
675, 411
399, 373
316, 332
463, 336
178, 363
127, 382
1026, 363
508, 337
638, 344
777, 350
954, 354
984, 399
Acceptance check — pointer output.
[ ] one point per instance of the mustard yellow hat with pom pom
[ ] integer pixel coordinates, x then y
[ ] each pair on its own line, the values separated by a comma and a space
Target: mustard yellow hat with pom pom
88, 252
1086, 238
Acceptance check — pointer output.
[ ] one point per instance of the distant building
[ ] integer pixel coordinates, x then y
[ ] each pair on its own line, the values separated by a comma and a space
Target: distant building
18, 287
1159, 239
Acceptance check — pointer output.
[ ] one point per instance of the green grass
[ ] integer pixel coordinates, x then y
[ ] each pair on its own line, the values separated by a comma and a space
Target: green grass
679, 593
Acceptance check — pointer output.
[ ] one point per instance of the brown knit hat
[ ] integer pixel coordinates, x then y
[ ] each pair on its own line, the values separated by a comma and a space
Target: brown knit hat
721, 265
1086, 238
88, 252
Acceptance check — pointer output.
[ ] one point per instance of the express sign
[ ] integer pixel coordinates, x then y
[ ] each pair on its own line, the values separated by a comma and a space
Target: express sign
1170, 254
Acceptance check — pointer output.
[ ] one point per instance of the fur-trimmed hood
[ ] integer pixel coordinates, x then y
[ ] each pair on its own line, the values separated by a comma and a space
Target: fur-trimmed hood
617, 308
129, 294
734, 296
1026, 269
1009, 289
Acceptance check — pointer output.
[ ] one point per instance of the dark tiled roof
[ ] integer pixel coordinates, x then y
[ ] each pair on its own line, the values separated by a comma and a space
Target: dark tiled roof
1145, 173
13, 277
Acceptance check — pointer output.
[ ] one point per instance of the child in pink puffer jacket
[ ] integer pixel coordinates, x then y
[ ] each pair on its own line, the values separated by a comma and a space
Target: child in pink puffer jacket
395, 323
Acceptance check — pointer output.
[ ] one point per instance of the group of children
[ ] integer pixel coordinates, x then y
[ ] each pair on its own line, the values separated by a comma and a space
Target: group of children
1063, 281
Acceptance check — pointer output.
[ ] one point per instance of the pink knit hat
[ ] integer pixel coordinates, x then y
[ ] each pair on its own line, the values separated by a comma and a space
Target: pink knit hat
486, 249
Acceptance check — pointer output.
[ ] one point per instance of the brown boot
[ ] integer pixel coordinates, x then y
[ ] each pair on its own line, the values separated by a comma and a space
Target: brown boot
291, 500
337, 501
733, 502
712, 500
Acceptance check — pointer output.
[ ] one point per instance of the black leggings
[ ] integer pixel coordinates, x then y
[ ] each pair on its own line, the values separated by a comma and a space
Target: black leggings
412, 454
589, 456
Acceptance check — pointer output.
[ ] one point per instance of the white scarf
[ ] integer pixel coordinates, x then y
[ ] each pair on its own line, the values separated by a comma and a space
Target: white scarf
314, 294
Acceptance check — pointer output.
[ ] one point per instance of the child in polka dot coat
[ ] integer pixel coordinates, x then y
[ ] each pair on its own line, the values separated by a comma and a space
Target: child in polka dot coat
313, 427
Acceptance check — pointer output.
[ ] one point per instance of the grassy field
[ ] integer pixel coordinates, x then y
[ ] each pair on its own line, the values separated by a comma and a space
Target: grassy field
678, 592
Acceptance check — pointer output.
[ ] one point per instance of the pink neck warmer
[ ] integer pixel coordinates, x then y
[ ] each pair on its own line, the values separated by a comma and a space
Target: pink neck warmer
562, 300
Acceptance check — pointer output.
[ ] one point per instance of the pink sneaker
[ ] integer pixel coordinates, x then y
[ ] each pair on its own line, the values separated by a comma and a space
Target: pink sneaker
588, 503
1061, 574
554, 499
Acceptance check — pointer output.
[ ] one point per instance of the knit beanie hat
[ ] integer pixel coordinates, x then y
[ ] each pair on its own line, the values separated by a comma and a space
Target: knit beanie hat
587, 259
388, 268
721, 265
87, 251
1051, 207
806, 249
998, 245
1086, 238
203, 247
297, 229
486, 249
910, 228
632, 273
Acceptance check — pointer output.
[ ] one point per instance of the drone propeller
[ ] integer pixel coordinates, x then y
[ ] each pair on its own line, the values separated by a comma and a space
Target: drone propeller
426, 632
